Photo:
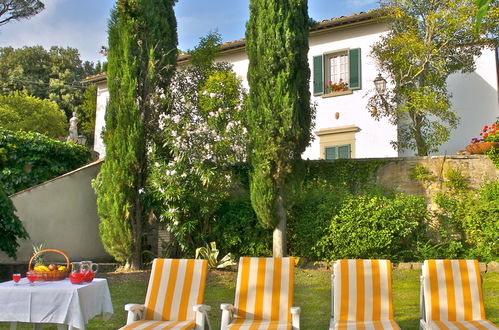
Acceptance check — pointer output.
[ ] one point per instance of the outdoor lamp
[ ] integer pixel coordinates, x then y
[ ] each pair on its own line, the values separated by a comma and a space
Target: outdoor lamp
380, 84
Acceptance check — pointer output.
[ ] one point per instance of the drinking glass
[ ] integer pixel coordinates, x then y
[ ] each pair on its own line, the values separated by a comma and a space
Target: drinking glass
31, 277
16, 278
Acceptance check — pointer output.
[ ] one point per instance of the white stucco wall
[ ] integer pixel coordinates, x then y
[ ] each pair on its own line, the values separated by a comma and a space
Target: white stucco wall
475, 96
475, 99
100, 123
61, 214
373, 139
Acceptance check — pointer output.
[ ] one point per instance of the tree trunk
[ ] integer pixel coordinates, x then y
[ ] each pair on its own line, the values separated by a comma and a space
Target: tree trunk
136, 257
279, 248
421, 146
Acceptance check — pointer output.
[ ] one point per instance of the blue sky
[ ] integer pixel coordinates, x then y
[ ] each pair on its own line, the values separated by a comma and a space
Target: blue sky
82, 24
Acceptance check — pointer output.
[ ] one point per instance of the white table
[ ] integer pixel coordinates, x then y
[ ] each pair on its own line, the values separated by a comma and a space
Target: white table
54, 302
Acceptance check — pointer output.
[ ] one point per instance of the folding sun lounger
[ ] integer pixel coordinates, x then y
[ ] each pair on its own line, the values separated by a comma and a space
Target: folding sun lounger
264, 296
451, 296
173, 299
362, 295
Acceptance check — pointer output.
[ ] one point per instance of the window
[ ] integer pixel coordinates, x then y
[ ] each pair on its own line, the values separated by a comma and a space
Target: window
337, 142
338, 65
337, 152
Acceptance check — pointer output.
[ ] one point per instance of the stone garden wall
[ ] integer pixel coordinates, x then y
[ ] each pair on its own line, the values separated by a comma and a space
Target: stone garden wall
396, 173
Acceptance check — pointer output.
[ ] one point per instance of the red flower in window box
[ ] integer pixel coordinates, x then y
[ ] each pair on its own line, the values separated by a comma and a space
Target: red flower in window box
336, 87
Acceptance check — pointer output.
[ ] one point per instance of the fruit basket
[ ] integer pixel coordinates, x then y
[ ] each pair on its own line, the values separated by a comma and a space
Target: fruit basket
44, 273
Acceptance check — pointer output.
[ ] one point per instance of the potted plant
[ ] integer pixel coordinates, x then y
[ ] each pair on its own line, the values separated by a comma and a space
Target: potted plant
489, 139
340, 86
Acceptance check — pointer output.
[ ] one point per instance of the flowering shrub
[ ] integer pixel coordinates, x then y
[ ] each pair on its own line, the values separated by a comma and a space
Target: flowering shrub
335, 87
488, 133
203, 135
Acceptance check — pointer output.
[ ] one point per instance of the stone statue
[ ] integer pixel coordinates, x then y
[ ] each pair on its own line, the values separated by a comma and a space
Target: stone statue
73, 128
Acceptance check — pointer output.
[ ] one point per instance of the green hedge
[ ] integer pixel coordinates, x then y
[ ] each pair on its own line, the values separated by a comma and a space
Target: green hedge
237, 230
27, 159
338, 212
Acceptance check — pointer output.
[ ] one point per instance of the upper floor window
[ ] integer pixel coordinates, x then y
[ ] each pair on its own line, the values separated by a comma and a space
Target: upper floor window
335, 67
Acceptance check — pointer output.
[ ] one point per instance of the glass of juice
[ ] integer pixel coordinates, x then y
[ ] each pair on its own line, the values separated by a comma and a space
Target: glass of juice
31, 277
16, 278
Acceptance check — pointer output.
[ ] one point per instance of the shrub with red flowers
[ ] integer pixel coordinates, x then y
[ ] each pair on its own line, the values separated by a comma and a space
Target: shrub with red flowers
336, 87
488, 133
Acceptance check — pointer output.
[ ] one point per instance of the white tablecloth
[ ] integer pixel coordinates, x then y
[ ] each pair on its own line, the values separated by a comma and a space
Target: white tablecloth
55, 302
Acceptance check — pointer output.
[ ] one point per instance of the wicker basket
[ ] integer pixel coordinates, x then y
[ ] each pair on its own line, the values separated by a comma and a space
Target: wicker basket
54, 275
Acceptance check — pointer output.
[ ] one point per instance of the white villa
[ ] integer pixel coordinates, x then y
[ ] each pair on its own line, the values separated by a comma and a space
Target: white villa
344, 128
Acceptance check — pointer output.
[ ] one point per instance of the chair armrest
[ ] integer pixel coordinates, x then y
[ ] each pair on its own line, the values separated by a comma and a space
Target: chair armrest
227, 307
202, 320
201, 308
227, 310
295, 317
135, 312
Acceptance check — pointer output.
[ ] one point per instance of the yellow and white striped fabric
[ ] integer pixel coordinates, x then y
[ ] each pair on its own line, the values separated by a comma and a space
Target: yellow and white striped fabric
264, 294
363, 295
452, 292
175, 286
460, 325
161, 325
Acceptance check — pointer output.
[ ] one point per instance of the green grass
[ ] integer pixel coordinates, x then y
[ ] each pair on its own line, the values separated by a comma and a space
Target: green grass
312, 294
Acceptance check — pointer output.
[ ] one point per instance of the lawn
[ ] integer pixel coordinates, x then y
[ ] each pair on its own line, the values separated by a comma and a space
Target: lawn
312, 294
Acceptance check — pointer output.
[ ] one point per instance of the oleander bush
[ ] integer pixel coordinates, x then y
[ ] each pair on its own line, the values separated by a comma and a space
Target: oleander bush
29, 158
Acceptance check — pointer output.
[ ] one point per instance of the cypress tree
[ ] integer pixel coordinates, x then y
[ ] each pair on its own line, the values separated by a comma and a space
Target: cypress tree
279, 113
142, 56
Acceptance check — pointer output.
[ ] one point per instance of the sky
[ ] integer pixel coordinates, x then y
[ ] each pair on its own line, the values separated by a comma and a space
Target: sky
82, 24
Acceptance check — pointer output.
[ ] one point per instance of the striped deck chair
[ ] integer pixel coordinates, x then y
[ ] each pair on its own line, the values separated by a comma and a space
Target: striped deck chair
451, 296
362, 295
264, 296
173, 298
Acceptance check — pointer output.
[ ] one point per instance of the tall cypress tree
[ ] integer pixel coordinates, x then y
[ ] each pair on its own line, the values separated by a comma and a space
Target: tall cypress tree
279, 114
142, 56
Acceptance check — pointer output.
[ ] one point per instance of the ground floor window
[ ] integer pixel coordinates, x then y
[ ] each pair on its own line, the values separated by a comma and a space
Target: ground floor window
338, 152
337, 142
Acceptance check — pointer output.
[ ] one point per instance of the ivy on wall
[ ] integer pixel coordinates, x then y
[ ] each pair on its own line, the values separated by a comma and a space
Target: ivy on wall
28, 159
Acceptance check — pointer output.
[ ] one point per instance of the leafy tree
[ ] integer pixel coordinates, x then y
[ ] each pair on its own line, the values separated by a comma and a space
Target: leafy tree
11, 228
19, 9
142, 56
87, 113
428, 41
20, 111
53, 74
488, 14
203, 135
279, 113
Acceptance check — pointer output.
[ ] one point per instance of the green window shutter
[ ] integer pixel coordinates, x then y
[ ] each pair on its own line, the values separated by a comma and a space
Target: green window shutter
355, 68
331, 153
344, 151
318, 75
